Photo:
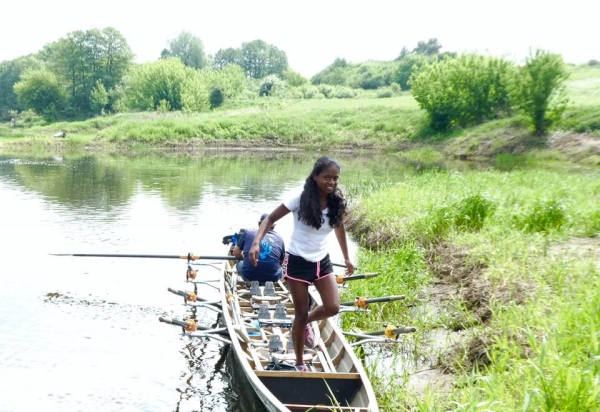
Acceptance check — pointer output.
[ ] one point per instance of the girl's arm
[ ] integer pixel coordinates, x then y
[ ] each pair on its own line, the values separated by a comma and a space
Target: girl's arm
266, 224
340, 233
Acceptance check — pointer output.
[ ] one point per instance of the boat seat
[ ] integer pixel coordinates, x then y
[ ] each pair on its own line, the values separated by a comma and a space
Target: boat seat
312, 375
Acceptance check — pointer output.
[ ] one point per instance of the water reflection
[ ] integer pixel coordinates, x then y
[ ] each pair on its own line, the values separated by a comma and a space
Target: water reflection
104, 182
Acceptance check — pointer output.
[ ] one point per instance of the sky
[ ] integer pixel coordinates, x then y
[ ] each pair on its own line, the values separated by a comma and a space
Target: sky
313, 33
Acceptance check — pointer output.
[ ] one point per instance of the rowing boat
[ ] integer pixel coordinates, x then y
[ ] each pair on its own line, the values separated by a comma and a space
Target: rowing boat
258, 320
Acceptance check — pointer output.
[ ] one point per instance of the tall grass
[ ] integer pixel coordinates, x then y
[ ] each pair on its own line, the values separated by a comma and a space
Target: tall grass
540, 348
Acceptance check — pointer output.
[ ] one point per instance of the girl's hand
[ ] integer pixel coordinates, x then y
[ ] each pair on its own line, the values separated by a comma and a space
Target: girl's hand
349, 267
253, 254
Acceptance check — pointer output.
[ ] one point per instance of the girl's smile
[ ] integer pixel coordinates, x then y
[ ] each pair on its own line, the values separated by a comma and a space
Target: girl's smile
327, 180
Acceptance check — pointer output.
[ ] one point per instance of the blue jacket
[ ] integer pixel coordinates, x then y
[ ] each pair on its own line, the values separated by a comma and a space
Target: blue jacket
272, 252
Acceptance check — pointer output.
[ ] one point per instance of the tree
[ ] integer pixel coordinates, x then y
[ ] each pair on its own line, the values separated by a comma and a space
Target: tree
257, 58
403, 53
189, 49
99, 98
260, 59
334, 74
10, 73
41, 91
409, 64
230, 80
429, 48
115, 58
166, 84
82, 59
294, 79
165, 54
539, 91
228, 56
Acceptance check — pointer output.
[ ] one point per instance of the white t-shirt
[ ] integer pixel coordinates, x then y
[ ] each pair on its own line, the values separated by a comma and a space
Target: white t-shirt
306, 241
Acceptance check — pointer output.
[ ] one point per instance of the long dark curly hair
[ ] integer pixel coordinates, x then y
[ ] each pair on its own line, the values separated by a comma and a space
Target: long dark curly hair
310, 207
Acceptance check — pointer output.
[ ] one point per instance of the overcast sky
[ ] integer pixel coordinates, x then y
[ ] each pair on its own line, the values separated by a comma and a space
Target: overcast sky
313, 33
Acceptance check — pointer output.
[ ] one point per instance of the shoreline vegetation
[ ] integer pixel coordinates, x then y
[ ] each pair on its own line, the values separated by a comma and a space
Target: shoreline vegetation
499, 266
367, 122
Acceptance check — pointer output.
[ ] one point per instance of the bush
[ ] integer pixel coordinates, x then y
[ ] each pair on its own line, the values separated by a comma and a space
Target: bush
98, 98
163, 106
271, 86
149, 84
463, 91
231, 80
368, 75
216, 98
342, 92
311, 92
538, 90
41, 91
543, 216
472, 211
195, 96
326, 90
384, 93
294, 79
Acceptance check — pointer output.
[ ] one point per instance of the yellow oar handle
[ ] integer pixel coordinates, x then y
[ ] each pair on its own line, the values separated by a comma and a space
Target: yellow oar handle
189, 296
363, 302
189, 325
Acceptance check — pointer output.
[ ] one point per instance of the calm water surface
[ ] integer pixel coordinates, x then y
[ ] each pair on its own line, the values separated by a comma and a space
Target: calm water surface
82, 334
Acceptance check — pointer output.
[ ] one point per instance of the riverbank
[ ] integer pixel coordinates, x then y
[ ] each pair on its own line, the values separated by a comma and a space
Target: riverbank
367, 124
501, 272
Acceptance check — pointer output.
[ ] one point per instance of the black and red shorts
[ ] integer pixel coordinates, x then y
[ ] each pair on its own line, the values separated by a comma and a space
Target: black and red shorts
301, 270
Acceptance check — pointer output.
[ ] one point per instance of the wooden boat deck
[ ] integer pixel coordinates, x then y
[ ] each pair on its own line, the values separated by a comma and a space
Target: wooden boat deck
336, 379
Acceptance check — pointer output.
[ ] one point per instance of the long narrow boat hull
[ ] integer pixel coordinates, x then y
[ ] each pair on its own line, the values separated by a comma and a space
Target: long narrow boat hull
336, 380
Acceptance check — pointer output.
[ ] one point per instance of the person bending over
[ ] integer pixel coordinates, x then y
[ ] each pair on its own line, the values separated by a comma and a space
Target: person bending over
270, 255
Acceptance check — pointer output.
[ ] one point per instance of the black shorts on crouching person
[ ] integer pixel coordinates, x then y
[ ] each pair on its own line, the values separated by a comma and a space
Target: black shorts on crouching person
301, 270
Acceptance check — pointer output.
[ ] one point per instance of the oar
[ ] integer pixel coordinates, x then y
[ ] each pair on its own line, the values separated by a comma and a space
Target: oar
192, 299
388, 335
341, 265
189, 256
187, 296
363, 302
189, 325
391, 331
343, 279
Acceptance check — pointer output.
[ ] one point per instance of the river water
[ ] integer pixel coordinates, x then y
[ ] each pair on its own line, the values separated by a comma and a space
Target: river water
82, 334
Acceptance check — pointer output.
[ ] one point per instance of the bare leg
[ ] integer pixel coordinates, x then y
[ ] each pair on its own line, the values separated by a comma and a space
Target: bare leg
299, 291
330, 297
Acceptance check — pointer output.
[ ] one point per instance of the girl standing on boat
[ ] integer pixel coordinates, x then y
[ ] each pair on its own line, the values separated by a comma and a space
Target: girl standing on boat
318, 210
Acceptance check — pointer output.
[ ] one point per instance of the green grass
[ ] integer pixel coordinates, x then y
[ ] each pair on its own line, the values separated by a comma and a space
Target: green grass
539, 349
308, 122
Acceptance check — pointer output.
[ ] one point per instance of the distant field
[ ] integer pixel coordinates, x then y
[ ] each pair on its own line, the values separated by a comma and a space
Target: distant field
583, 87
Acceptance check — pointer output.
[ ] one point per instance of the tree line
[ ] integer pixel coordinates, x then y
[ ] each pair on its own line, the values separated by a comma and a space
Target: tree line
92, 72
